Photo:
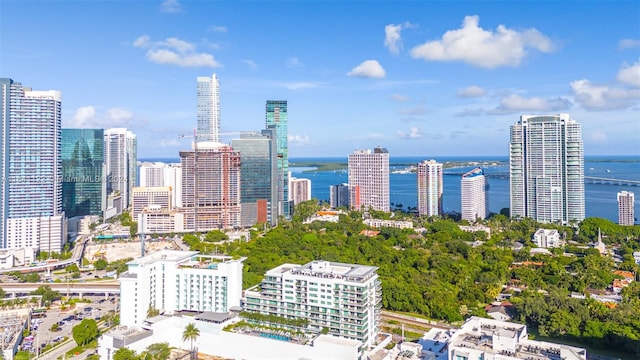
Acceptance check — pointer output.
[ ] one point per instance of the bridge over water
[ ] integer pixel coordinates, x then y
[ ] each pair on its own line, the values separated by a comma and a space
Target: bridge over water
587, 179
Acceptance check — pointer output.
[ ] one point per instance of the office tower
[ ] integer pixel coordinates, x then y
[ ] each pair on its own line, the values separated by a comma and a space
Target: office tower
210, 187
368, 173
208, 114
430, 188
163, 174
31, 168
84, 191
474, 195
300, 190
121, 163
258, 177
277, 116
339, 196
546, 169
343, 298
625, 208
172, 281
144, 197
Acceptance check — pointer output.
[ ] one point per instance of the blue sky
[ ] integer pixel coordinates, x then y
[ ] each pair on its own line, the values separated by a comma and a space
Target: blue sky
420, 78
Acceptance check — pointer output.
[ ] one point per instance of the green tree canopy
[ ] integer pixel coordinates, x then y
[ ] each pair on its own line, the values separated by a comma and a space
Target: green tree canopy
85, 332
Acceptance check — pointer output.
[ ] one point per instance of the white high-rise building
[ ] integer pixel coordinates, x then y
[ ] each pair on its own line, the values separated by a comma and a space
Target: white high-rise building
31, 168
344, 299
626, 202
369, 179
299, 190
474, 195
546, 169
430, 184
208, 112
120, 157
163, 174
144, 197
171, 280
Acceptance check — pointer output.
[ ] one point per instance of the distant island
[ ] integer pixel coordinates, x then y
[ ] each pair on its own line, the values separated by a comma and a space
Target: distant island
318, 166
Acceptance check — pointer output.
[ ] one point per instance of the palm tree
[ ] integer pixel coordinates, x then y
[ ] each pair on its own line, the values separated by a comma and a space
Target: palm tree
191, 333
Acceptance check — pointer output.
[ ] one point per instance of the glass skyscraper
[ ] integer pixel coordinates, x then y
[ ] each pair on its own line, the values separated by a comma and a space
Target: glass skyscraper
208, 111
258, 188
546, 166
30, 166
276, 115
83, 183
121, 162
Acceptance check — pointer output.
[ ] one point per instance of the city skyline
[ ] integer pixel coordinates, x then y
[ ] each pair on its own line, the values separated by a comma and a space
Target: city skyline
396, 78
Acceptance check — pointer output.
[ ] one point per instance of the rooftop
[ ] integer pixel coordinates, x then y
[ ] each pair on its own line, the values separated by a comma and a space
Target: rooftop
326, 269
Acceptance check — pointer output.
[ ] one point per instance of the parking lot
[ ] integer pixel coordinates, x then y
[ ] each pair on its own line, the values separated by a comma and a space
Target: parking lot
42, 335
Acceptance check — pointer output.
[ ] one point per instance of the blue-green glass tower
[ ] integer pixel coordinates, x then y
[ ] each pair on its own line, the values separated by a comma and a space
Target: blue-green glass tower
83, 185
276, 115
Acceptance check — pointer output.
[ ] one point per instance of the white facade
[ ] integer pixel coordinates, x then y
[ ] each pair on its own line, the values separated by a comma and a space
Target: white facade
474, 195
490, 339
163, 174
398, 224
208, 112
626, 200
369, 179
158, 197
430, 185
172, 280
120, 157
299, 190
48, 233
345, 299
546, 169
153, 220
224, 344
547, 238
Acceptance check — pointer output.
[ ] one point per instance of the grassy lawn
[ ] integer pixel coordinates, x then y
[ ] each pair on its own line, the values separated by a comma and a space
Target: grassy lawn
80, 349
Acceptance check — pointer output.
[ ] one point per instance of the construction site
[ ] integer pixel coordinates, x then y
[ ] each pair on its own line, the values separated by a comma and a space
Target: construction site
117, 250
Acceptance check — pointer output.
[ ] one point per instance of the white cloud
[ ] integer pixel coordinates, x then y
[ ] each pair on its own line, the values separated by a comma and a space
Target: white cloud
220, 29
250, 63
628, 43
294, 62
471, 91
88, 117
368, 69
175, 51
300, 85
630, 74
298, 139
171, 6
516, 103
170, 143
601, 97
399, 97
471, 112
414, 133
483, 48
393, 38
418, 110
598, 136
368, 136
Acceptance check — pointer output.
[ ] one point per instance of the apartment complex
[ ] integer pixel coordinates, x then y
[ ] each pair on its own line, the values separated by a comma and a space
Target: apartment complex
626, 203
31, 212
343, 299
299, 190
258, 177
121, 164
208, 111
430, 185
155, 174
369, 179
210, 187
83, 189
339, 196
277, 117
144, 197
474, 195
171, 280
547, 238
546, 168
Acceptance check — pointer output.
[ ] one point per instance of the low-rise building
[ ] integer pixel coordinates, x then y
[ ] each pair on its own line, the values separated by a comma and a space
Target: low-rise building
398, 224
481, 338
547, 238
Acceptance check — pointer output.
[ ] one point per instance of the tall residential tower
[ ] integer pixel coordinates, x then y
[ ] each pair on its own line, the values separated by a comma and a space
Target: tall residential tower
430, 188
208, 112
625, 208
277, 116
121, 163
474, 195
546, 166
31, 213
368, 172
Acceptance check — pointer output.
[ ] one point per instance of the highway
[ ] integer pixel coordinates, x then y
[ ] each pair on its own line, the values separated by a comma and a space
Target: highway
78, 251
